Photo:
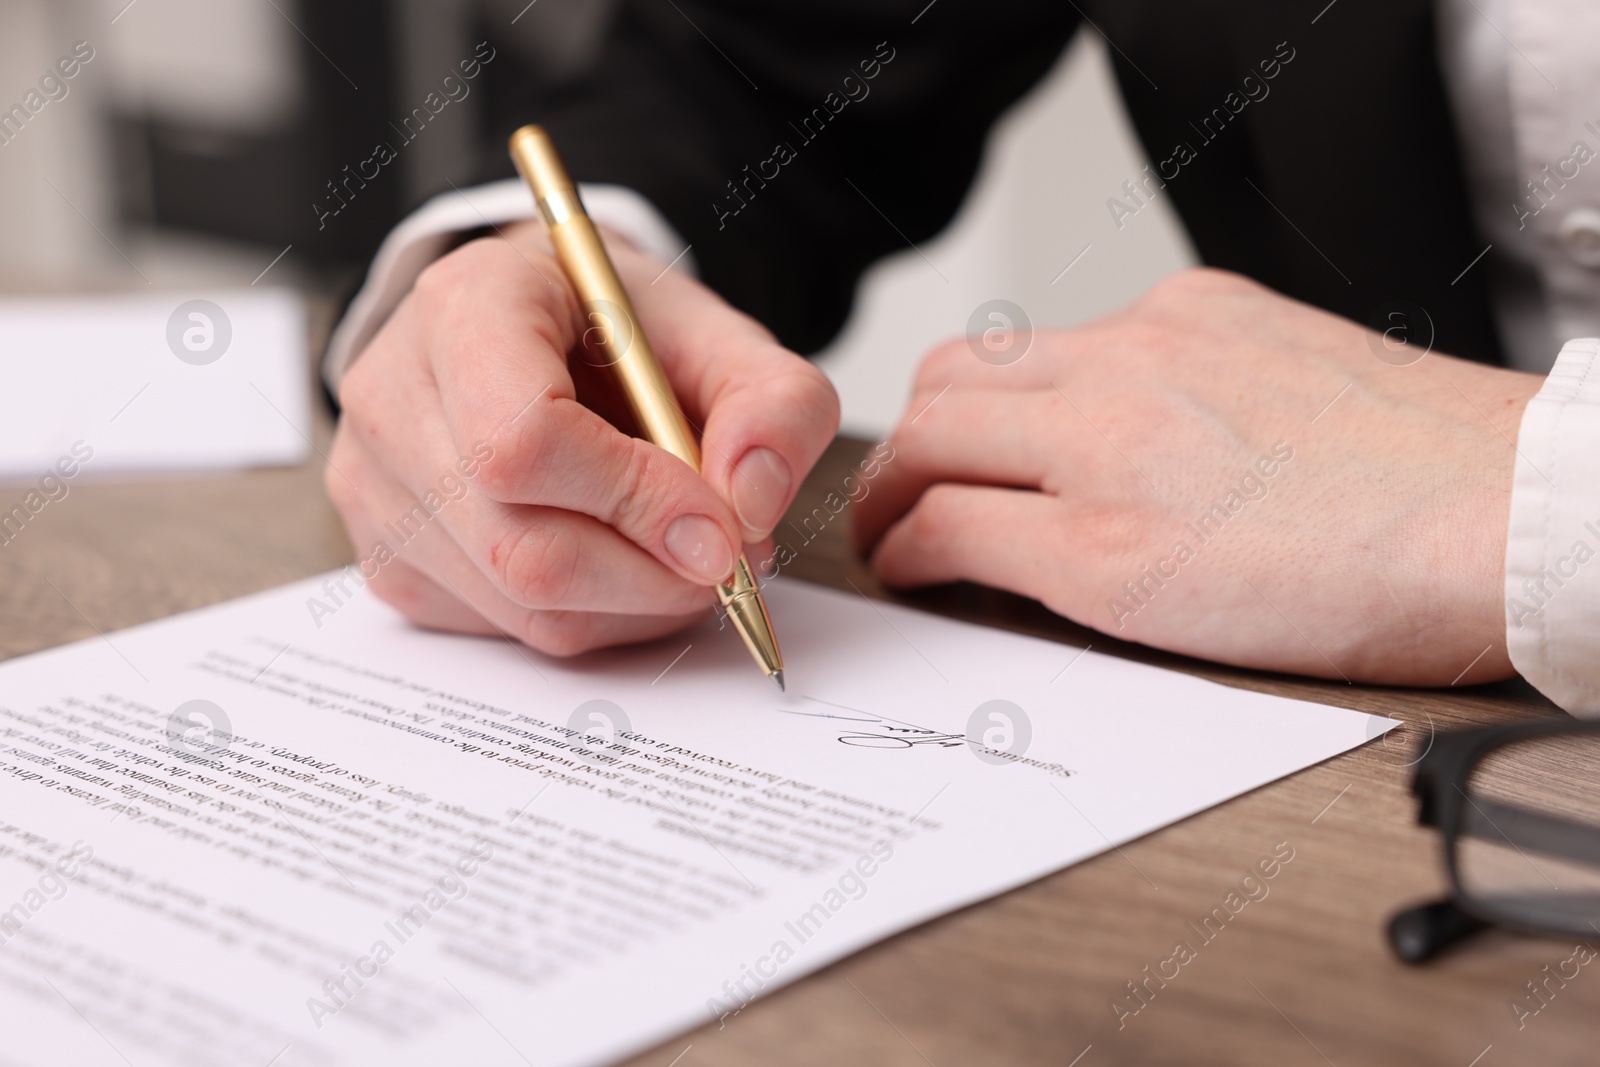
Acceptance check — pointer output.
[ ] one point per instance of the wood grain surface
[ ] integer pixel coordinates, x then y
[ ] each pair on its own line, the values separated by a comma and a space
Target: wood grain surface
1302, 976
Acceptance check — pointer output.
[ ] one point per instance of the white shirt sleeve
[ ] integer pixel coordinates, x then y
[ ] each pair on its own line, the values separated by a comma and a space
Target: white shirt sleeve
1552, 569
434, 228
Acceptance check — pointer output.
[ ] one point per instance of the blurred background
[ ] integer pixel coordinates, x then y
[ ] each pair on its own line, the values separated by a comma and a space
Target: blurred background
188, 152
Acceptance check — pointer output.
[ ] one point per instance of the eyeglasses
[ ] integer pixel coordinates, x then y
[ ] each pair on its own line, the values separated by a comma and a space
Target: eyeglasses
1518, 808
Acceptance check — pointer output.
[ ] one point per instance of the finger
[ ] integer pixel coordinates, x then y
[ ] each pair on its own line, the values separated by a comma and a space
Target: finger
414, 577
1011, 539
964, 362
526, 557
425, 603
433, 589
498, 362
764, 413
566, 633
974, 436
563, 456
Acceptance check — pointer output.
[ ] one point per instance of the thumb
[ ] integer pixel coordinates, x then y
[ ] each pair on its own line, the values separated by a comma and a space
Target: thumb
764, 414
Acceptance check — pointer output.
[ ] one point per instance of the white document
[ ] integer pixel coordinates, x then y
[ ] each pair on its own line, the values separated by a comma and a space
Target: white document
371, 844
153, 381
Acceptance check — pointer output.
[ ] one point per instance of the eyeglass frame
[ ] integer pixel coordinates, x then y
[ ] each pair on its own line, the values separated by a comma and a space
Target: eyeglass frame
1439, 784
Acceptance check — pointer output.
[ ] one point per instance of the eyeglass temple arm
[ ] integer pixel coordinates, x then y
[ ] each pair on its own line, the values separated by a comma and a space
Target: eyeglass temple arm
1551, 835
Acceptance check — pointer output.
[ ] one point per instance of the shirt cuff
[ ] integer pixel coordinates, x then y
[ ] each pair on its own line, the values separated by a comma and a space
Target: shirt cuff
1552, 579
433, 229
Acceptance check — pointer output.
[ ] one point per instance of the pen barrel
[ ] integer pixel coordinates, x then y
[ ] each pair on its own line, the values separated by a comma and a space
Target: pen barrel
611, 326
614, 338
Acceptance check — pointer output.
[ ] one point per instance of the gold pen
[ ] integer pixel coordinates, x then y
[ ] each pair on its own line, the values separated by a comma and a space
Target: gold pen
622, 343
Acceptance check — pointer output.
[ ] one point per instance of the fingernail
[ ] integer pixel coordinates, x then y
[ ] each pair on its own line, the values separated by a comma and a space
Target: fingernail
700, 547
761, 483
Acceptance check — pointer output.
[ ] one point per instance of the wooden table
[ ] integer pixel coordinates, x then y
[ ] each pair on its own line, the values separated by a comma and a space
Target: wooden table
1300, 977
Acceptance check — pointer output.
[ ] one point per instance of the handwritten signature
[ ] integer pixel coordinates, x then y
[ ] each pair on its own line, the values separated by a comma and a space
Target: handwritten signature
902, 737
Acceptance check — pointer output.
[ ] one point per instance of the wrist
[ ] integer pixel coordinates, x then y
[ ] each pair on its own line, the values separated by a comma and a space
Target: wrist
1498, 397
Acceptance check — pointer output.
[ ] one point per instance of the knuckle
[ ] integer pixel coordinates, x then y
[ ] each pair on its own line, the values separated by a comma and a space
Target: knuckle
1139, 336
511, 451
450, 288
1121, 424
401, 592
363, 398
453, 272
1176, 286
808, 392
910, 433
357, 393
644, 494
1156, 337
391, 594
930, 518
557, 633
535, 563
936, 369
1056, 411
1104, 533
436, 287
1201, 281
503, 452
343, 460
796, 395
340, 492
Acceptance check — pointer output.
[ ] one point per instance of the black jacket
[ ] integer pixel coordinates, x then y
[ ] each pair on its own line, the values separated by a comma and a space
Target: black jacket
1306, 144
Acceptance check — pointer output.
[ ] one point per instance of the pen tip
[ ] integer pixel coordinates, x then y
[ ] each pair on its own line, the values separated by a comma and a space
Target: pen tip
777, 676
